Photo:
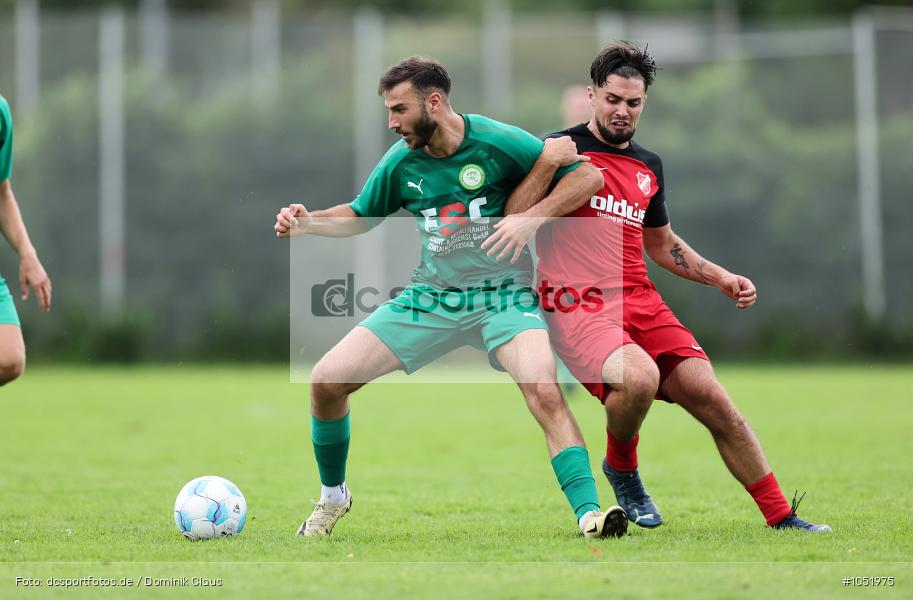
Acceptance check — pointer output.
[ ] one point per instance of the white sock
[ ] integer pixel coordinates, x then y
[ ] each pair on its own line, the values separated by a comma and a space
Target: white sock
334, 495
583, 517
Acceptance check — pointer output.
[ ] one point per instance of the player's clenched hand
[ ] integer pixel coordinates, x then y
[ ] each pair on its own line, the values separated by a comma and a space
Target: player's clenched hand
562, 151
512, 233
32, 274
740, 289
294, 219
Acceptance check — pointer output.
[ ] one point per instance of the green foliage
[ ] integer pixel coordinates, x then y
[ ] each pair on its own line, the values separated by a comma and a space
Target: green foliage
880, 339
228, 337
763, 194
81, 337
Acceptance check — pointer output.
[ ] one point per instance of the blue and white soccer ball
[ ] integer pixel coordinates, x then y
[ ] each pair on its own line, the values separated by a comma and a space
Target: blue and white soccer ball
209, 507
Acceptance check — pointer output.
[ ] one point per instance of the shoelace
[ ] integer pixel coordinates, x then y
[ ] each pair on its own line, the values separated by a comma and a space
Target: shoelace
795, 503
322, 515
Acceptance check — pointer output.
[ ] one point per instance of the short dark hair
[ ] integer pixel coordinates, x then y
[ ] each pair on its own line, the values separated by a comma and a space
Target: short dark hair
626, 59
425, 74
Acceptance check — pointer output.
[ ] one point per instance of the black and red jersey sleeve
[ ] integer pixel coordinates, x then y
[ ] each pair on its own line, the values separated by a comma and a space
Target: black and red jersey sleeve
657, 215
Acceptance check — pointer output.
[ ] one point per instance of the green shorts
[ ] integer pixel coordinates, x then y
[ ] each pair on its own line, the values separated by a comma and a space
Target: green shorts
424, 323
8, 315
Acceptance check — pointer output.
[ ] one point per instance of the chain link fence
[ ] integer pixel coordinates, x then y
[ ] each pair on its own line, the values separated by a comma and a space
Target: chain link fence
166, 250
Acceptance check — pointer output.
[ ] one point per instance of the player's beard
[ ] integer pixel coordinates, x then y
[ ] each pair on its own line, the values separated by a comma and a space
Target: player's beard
422, 131
615, 139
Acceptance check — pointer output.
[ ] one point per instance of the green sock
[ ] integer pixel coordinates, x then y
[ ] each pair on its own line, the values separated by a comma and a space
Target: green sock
572, 468
331, 448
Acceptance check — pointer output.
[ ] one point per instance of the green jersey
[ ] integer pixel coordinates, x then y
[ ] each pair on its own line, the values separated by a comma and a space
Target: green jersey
6, 140
454, 199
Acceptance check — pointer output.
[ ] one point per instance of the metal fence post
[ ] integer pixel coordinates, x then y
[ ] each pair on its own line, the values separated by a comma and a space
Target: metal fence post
870, 225
496, 59
368, 142
111, 160
153, 29
28, 55
266, 52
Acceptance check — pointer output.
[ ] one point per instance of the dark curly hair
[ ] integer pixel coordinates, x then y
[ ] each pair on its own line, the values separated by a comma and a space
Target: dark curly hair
626, 59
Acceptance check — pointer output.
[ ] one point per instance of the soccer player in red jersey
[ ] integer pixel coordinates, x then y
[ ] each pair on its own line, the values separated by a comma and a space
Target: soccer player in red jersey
607, 320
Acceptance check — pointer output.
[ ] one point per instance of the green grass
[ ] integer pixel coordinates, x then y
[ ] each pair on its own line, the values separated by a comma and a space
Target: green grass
454, 495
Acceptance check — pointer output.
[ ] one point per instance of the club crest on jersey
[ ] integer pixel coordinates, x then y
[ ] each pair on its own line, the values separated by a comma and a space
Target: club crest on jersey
472, 177
644, 183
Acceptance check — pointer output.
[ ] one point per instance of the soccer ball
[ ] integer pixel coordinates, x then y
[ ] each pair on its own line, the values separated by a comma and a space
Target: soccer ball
209, 507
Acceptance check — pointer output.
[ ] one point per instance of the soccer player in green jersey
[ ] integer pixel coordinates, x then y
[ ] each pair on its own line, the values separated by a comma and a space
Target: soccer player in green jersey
31, 273
454, 173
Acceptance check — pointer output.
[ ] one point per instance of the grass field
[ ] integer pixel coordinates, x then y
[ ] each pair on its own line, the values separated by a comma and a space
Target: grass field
453, 492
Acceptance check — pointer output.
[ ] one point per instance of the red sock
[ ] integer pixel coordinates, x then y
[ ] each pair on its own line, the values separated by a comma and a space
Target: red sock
770, 499
621, 456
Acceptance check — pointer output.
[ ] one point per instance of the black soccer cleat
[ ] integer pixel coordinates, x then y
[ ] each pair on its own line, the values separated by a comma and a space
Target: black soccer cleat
792, 521
632, 497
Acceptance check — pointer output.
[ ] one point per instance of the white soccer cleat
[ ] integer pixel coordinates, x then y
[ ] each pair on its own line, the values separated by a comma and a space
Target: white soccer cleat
611, 523
324, 517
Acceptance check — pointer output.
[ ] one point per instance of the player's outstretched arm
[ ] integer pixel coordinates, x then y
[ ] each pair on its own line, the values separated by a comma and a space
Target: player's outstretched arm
31, 272
671, 252
339, 221
514, 231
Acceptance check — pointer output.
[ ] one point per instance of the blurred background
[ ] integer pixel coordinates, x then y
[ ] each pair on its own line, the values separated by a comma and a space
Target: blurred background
156, 139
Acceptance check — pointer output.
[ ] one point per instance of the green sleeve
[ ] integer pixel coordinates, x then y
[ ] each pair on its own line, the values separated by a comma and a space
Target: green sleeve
525, 148
6, 141
380, 195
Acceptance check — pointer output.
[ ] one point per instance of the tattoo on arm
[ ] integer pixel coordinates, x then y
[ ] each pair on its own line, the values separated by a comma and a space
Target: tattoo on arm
679, 256
700, 271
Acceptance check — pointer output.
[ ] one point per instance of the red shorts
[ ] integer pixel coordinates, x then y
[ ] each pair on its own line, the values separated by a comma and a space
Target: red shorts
587, 335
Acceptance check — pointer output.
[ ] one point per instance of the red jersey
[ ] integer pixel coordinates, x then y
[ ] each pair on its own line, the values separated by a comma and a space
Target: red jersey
604, 247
